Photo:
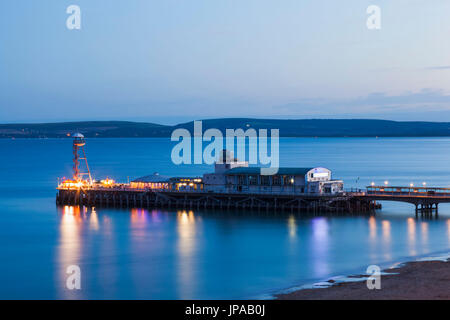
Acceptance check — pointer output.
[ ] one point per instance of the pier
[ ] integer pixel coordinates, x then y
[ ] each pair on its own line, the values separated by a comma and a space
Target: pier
350, 203
425, 199
234, 185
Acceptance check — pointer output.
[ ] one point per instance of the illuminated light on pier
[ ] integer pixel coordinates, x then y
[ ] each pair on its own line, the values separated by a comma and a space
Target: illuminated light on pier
72, 184
107, 182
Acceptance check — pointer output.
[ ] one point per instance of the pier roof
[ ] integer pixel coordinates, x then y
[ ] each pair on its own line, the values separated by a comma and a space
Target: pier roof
257, 171
155, 178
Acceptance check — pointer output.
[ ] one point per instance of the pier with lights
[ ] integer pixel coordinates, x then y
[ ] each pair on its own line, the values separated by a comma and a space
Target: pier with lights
425, 199
302, 190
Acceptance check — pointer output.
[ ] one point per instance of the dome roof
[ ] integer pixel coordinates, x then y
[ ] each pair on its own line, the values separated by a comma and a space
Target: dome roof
77, 135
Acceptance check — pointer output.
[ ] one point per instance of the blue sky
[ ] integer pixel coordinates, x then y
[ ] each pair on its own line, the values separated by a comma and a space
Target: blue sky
168, 61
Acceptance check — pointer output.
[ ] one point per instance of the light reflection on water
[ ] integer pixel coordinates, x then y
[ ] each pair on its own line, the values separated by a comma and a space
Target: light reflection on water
424, 234
386, 239
70, 244
320, 246
292, 227
411, 236
188, 252
448, 230
186, 246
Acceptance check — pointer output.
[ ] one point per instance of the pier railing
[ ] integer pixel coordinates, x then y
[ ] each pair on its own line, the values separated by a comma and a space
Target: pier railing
408, 191
126, 188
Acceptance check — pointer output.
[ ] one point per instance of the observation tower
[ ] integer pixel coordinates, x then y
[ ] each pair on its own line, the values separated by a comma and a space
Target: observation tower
80, 165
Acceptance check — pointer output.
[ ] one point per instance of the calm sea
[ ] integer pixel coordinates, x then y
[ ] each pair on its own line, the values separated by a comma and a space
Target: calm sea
160, 254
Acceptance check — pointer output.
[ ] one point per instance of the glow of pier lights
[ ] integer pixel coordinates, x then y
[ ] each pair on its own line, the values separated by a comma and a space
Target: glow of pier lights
386, 182
320, 242
424, 184
386, 229
411, 185
411, 236
372, 184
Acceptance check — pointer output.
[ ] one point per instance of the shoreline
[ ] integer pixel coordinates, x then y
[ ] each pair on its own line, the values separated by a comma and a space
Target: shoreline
422, 279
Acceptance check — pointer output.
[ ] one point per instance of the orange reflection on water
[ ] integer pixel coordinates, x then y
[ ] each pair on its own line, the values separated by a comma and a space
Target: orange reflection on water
69, 243
386, 229
186, 229
139, 216
156, 216
411, 236
373, 239
424, 234
134, 214
138, 223
372, 229
93, 220
292, 226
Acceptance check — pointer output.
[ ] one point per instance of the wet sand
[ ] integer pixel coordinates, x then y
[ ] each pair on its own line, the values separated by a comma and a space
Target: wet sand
425, 280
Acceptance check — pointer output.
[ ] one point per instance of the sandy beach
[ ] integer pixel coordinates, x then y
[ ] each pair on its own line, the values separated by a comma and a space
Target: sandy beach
424, 280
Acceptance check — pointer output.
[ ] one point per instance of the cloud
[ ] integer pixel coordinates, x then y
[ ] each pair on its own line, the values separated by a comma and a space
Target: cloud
377, 103
438, 68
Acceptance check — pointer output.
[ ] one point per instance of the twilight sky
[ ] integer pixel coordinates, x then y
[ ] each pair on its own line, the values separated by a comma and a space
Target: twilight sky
169, 61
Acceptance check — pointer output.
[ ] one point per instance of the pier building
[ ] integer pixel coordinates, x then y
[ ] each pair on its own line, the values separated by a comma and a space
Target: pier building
153, 181
233, 176
156, 181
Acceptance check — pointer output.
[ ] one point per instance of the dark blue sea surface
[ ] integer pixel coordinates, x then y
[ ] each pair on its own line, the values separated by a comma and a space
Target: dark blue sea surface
169, 254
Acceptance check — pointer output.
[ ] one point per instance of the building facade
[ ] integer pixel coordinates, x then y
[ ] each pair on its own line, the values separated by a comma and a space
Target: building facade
236, 177
233, 176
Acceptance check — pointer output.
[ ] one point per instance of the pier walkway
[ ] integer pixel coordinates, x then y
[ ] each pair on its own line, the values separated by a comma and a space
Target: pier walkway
425, 199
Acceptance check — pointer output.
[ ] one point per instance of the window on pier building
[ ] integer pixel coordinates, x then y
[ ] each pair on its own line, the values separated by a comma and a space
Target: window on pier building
288, 180
276, 180
253, 180
241, 180
265, 181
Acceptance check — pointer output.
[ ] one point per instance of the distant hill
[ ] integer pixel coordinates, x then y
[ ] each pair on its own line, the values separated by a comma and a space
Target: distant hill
288, 128
109, 129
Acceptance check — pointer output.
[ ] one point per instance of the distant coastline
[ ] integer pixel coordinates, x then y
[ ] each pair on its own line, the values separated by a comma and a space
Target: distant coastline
288, 128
